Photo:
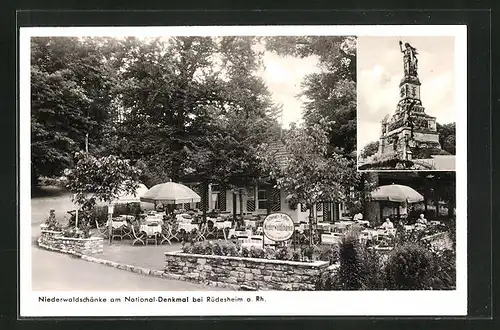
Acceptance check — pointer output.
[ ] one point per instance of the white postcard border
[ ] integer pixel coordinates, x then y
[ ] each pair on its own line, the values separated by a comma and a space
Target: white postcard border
341, 303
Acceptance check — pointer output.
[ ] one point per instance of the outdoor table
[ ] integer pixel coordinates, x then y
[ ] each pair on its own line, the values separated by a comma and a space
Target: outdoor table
126, 217
118, 224
150, 219
223, 224
363, 222
151, 230
251, 223
370, 233
331, 238
408, 227
239, 233
188, 227
326, 227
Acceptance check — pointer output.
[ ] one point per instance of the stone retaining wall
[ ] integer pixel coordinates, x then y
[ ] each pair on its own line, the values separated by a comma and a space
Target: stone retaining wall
53, 240
235, 272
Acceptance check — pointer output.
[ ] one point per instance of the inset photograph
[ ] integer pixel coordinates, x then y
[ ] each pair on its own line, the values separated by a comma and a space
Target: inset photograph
406, 103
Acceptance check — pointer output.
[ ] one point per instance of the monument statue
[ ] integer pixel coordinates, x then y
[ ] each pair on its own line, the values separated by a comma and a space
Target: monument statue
410, 60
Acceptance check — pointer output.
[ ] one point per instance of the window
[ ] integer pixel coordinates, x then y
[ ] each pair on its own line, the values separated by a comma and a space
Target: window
262, 199
221, 200
250, 199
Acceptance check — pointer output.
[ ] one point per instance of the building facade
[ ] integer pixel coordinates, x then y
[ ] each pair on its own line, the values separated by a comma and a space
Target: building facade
261, 199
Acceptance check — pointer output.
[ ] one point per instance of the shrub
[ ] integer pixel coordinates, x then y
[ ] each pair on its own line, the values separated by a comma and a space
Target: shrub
269, 253
257, 252
217, 249
245, 252
97, 213
308, 252
350, 270
409, 267
328, 253
198, 248
359, 268
326, 281
443, 274
283, 253
75, 233
130, 208
297, 256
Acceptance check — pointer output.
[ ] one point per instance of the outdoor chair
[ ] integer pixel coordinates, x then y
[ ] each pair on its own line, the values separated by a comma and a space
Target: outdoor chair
200, 234
166, 234
127, 231
138, 236
174, 229
102, 231
116, 232
210, 229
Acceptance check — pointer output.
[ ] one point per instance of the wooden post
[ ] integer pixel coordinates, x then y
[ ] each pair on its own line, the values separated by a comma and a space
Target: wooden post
240, 190
263, 239
310, 225
76, 218
234, 205
110, 225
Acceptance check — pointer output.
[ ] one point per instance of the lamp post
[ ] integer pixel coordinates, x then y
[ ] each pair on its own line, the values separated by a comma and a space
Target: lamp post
110, 224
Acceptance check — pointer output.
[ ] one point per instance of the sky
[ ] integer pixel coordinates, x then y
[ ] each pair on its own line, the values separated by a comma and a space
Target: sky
283, 76
380, 69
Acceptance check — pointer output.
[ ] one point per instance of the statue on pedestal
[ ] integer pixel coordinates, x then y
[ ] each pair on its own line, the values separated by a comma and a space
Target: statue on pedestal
410, 60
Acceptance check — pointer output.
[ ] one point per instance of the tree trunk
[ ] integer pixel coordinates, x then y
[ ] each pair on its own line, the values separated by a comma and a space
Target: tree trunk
241, 202
311, 217
234, 206
205, 193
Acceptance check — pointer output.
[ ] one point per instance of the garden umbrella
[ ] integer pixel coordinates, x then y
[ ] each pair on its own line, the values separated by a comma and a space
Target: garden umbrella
170, 193
132, 198
396, 193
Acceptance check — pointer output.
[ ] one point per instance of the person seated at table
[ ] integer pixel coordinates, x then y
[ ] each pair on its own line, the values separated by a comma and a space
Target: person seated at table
387, 224
358, 216
422, 220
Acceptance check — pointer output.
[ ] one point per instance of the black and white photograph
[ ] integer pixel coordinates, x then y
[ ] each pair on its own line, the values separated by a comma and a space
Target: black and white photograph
222, 171
406, 103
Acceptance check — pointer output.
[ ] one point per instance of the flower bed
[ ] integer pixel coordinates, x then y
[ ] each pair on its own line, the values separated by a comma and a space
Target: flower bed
236, 249
234, 272
56, 241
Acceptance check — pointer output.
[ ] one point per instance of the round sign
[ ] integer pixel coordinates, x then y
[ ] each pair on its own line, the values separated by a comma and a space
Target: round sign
278, 227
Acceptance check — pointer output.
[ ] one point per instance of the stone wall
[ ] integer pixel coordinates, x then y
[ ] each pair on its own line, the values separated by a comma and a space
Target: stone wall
53, 240
235, 272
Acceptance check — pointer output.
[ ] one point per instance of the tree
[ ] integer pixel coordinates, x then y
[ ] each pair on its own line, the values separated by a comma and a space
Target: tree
370, 149
331, 93
447, 134
102, 179
310, 175
70, 97
176, 91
